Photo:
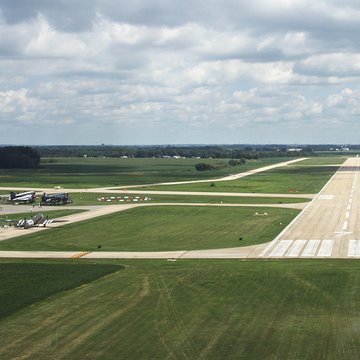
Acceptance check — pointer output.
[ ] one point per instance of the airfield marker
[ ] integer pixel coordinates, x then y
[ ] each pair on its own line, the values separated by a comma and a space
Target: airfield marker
310, 248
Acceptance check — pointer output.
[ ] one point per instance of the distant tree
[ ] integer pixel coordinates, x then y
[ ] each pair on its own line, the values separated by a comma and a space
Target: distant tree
234, 162
19, 157
203, 167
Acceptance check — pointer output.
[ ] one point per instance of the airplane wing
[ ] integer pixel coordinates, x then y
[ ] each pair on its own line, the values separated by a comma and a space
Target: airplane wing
46, 222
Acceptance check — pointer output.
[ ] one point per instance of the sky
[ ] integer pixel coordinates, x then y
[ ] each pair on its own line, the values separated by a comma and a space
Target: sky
179, 72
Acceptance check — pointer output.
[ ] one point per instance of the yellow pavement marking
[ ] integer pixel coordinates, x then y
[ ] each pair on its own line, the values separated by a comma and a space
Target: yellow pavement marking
81, 254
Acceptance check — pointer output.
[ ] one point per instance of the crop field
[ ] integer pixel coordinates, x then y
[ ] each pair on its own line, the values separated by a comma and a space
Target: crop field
285, 180
99, 172
87, 198
187, 310
162, 228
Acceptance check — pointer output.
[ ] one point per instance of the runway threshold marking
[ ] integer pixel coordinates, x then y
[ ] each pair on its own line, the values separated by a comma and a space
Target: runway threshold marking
301, 248
354, 248
271, 244
296, 248
80, 255
326, 248
310, 248
281, 248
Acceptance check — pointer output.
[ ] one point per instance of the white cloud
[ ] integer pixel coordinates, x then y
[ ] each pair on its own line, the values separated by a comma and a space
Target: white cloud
207, 66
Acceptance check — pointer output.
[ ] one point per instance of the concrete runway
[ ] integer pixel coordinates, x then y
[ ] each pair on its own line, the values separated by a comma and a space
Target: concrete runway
326, 228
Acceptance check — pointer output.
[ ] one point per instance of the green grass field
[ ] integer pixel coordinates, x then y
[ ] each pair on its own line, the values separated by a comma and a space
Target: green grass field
289, 179
193, 310
324, 160
99, 172
161, 228
87, 198
24, 283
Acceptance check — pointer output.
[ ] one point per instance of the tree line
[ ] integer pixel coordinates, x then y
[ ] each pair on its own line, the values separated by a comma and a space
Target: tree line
208, 151
19, 157
219, 164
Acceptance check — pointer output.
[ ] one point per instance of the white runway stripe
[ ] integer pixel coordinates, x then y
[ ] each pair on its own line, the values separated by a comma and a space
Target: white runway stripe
354, 248
296, 248
281, 248
311, 247
270, 245
326, 248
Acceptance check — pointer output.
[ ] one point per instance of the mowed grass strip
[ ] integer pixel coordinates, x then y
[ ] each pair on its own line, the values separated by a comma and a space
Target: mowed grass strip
87, 198
197, 310
162, 228
23, 283
285, 180
99, 172
324, 160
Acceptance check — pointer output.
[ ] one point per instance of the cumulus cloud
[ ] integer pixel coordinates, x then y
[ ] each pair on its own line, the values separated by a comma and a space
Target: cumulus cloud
185, 72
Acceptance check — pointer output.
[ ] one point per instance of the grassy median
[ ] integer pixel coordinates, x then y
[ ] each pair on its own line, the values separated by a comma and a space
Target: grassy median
162, 228
285, 180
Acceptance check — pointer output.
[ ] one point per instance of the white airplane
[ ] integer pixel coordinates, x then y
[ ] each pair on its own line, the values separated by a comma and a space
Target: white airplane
37, 220
23, 197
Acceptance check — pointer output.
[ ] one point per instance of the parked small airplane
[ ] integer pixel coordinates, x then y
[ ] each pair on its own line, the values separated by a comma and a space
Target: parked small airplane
37, 220
55, 199
23, 197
